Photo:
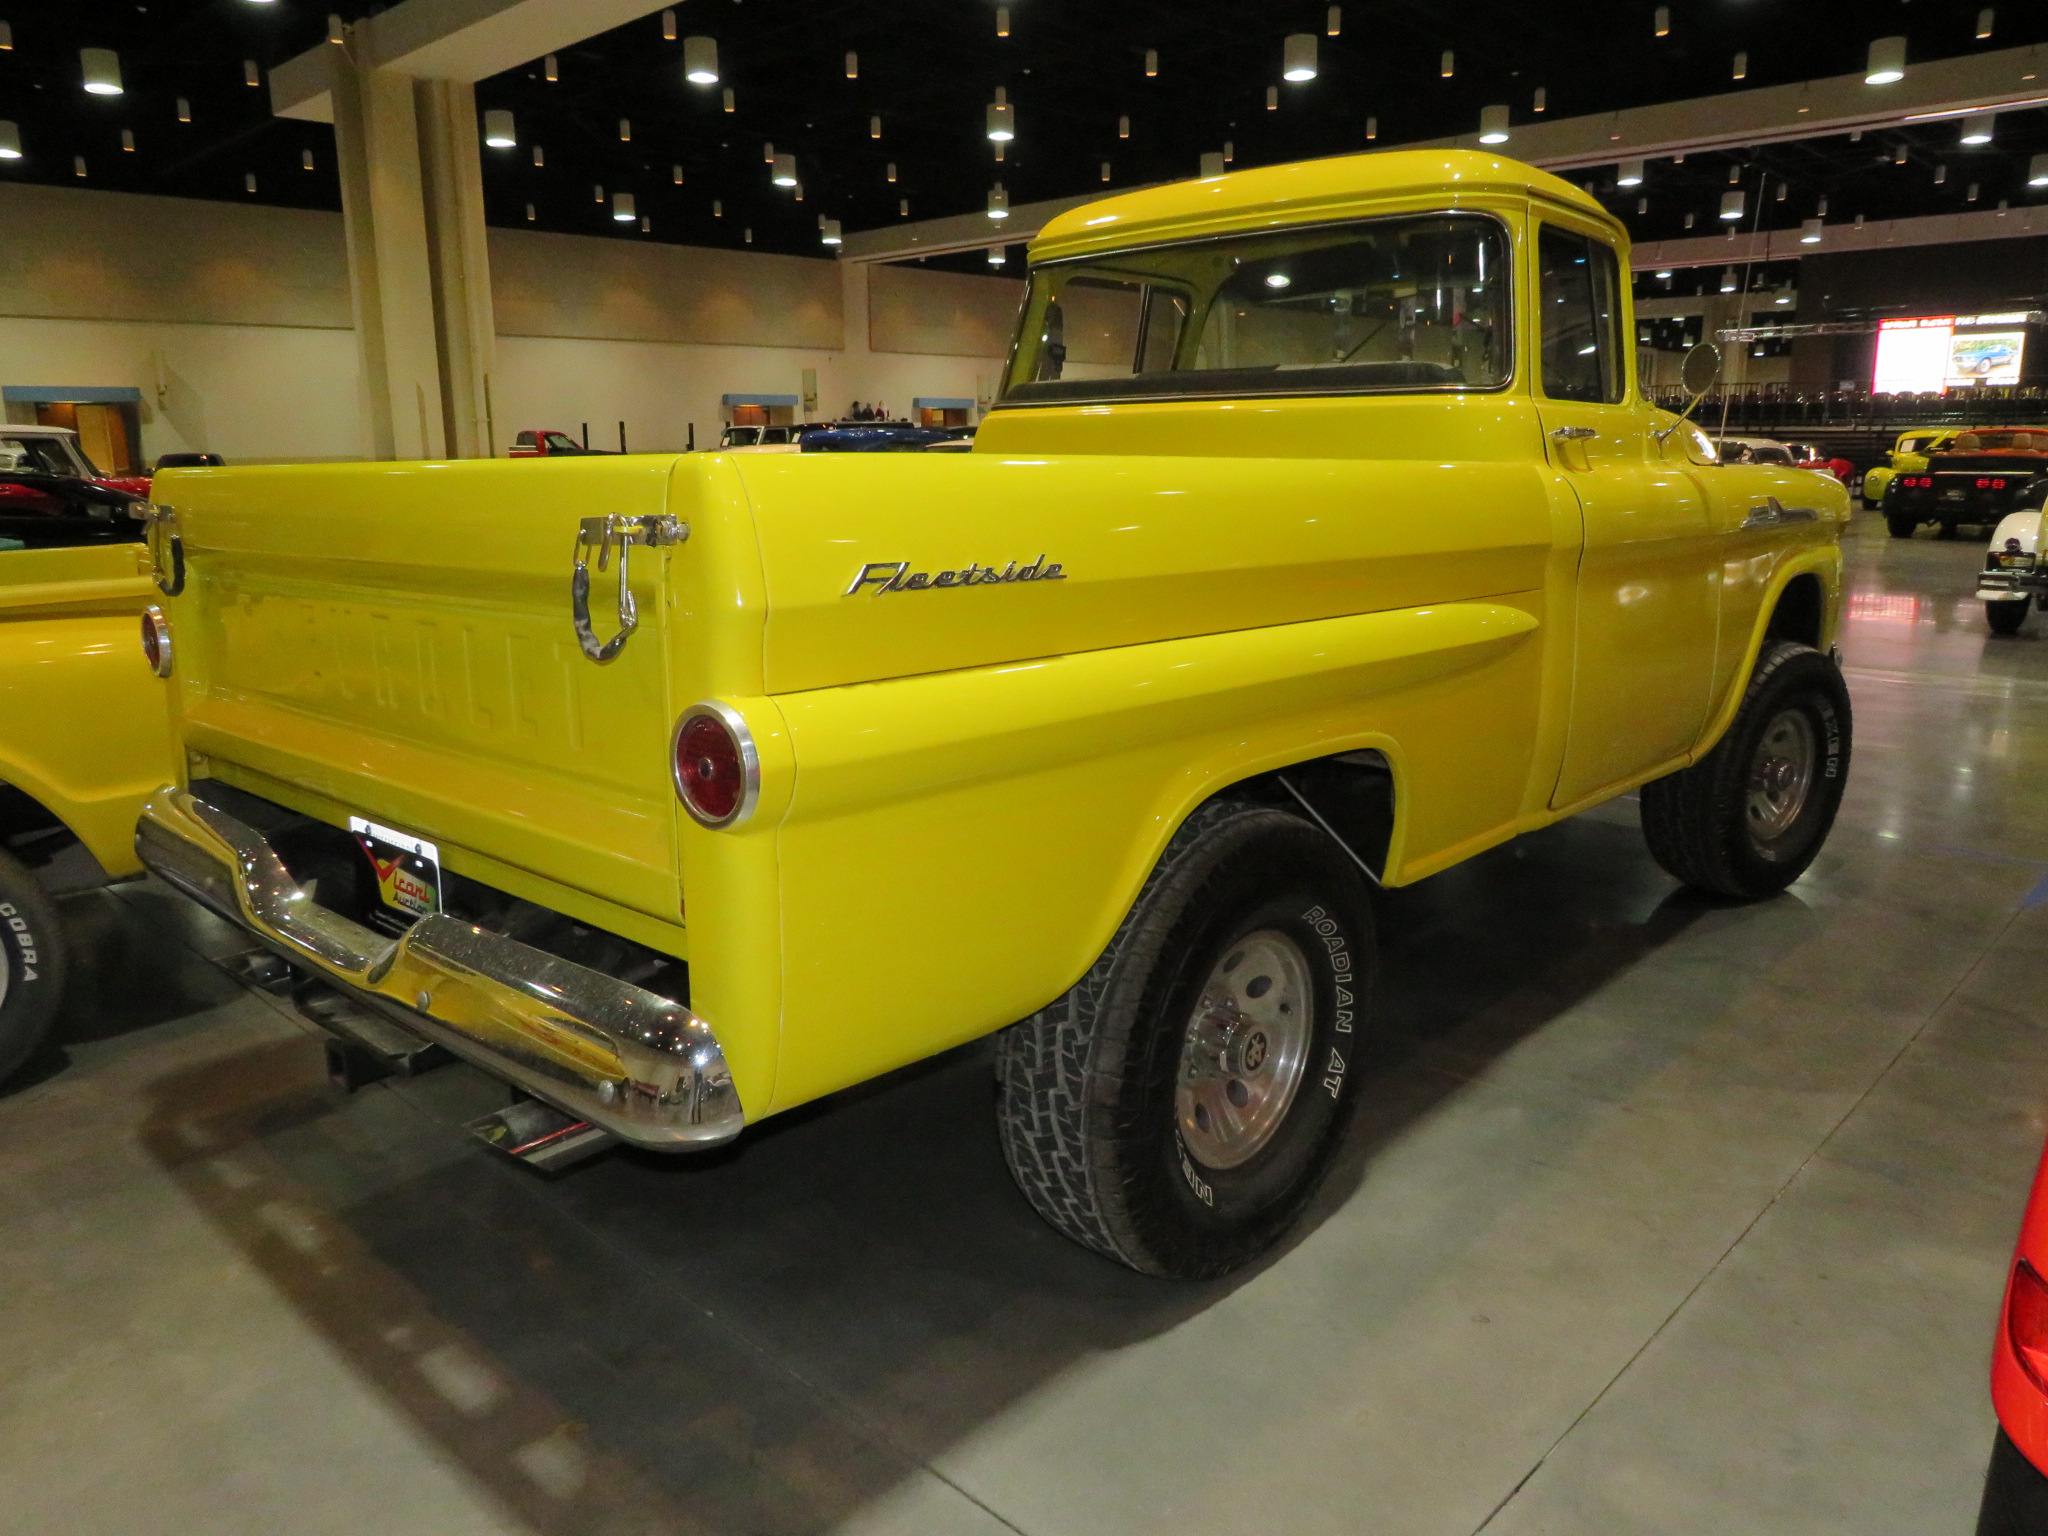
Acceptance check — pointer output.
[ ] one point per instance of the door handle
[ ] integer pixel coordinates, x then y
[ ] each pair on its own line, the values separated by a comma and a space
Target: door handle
1573, 434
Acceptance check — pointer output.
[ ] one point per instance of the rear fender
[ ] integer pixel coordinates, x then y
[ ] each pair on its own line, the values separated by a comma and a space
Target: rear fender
84, 728
2024, 526
959, 847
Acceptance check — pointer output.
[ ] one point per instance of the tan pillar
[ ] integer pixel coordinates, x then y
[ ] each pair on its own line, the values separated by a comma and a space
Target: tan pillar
459, 259
419, 264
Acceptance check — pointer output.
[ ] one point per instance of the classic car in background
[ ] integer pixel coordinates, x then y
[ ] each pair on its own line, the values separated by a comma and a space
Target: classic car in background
1907, 455
53, 452
1980, 476
83, 732
1768, 450
547, 443
2013, 580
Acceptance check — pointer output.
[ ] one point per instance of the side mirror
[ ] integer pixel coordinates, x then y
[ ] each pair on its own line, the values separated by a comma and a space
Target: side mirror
1700, 371
1697, 374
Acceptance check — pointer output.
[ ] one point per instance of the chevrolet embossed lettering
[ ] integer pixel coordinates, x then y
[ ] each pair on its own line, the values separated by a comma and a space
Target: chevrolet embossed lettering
897, 576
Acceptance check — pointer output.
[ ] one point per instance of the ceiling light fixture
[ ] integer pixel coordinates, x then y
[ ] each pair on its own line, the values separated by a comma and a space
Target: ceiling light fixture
997, 256
1887, 62
1151, 63
498, 129
874, 127
1542, 103
852, 65
1984, 19
1105, 170
998, 202
2037, 171
784, 174
1002, 118
1298, 57
829, 235
625, 130
184, 110
668, 26
1660, 22
1978, 127
10, 140
540, 156
623, 210
1372, 128
550, 71
101, 68
1212, 163
676, 175
1493, 125
892, 170
729, 103
1664, 273
1729, 281
1642, 205
1002, 21
1741, 69
1272, 98
1123, 127
6, 36
1333, 24
128, 146
1278, 280
1810, 231
1731, 205
1448, 65
1631, 174
700, 60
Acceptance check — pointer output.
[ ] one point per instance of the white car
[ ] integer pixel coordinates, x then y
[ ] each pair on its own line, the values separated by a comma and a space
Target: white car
2014, 579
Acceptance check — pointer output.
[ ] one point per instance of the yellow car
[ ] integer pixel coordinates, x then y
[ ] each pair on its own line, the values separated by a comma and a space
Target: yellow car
1907, 456
84, 738
1321, 539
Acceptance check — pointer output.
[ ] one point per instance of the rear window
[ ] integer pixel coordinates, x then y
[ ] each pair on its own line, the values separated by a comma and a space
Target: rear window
1384, 305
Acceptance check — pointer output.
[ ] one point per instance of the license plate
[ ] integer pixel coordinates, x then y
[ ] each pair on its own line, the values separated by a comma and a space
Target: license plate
1952, 495
408, 868
2016, 562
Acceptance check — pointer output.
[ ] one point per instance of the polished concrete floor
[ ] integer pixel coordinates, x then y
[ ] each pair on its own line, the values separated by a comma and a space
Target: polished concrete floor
1667, 1218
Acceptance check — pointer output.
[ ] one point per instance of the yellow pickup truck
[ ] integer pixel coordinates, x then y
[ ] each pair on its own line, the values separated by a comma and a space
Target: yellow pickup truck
1320, 539
83, 736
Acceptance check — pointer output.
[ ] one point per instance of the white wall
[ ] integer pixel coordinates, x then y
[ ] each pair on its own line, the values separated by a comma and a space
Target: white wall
233, 322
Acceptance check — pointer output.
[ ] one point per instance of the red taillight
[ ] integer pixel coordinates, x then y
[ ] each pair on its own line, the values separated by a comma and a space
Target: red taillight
2026, 1323
1998, 485
156, 640
716, 771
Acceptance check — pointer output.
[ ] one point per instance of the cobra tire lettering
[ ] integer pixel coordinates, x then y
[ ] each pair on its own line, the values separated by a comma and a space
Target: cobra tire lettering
23, 939
1196, 1182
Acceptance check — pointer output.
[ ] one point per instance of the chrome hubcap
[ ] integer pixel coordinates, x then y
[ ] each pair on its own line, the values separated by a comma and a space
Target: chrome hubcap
1780, 775
1246, 1044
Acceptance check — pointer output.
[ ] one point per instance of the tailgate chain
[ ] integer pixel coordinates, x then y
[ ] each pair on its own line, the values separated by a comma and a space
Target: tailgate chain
605, 534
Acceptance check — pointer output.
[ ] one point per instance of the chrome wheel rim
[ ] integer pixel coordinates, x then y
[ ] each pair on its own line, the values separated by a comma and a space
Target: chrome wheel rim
1244, 1049
1780, 775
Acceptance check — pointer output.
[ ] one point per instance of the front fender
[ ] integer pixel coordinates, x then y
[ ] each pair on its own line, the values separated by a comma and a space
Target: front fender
2024, 526
1823, 561
84, 727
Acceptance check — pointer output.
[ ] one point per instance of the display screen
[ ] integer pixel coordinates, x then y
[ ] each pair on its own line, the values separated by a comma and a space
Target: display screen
1938, 352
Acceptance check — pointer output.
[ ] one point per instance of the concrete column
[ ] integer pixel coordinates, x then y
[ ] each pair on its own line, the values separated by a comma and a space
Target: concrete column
419, 259
459, 263
376, 136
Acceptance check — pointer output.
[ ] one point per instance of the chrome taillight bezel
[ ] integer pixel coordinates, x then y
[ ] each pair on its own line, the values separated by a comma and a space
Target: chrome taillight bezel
735, 727
156, 627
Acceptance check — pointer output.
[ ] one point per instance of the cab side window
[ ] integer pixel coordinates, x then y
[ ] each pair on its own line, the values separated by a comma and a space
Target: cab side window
1580, 317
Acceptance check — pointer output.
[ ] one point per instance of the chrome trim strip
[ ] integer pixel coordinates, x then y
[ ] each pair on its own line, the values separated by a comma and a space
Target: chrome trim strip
639, 1065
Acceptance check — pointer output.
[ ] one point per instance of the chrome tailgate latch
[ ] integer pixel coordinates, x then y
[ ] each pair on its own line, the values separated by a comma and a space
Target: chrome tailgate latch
166, 545
604, 534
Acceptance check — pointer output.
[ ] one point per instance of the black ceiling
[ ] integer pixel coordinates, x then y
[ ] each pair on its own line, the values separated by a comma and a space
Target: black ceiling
928, 68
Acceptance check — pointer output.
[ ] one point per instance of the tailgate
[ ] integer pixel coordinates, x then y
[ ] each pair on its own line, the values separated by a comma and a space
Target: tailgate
396, 640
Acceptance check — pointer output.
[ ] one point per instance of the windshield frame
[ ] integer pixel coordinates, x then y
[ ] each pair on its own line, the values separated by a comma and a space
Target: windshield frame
1510, 326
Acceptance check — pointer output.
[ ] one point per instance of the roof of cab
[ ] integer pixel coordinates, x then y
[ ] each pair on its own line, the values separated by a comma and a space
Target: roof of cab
1303, 192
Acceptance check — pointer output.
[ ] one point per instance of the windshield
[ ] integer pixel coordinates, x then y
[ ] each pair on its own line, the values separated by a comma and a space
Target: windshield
44, 455
560, 442
1982, 442
1390, 305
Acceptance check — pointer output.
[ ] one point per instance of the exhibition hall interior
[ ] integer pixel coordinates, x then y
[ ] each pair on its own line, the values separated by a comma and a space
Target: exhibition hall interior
787, 768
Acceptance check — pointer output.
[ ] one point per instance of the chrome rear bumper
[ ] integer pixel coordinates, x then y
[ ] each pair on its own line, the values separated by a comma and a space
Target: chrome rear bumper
638, 1065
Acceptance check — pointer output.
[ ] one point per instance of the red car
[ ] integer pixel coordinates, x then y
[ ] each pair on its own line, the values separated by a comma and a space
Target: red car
2015, 1487
52, 451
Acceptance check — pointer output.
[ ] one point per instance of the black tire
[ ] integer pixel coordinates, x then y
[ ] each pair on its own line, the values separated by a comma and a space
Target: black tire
32, 964
1091, 1105
2015, 1499
2006, 618
1702, 823
1901, 524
